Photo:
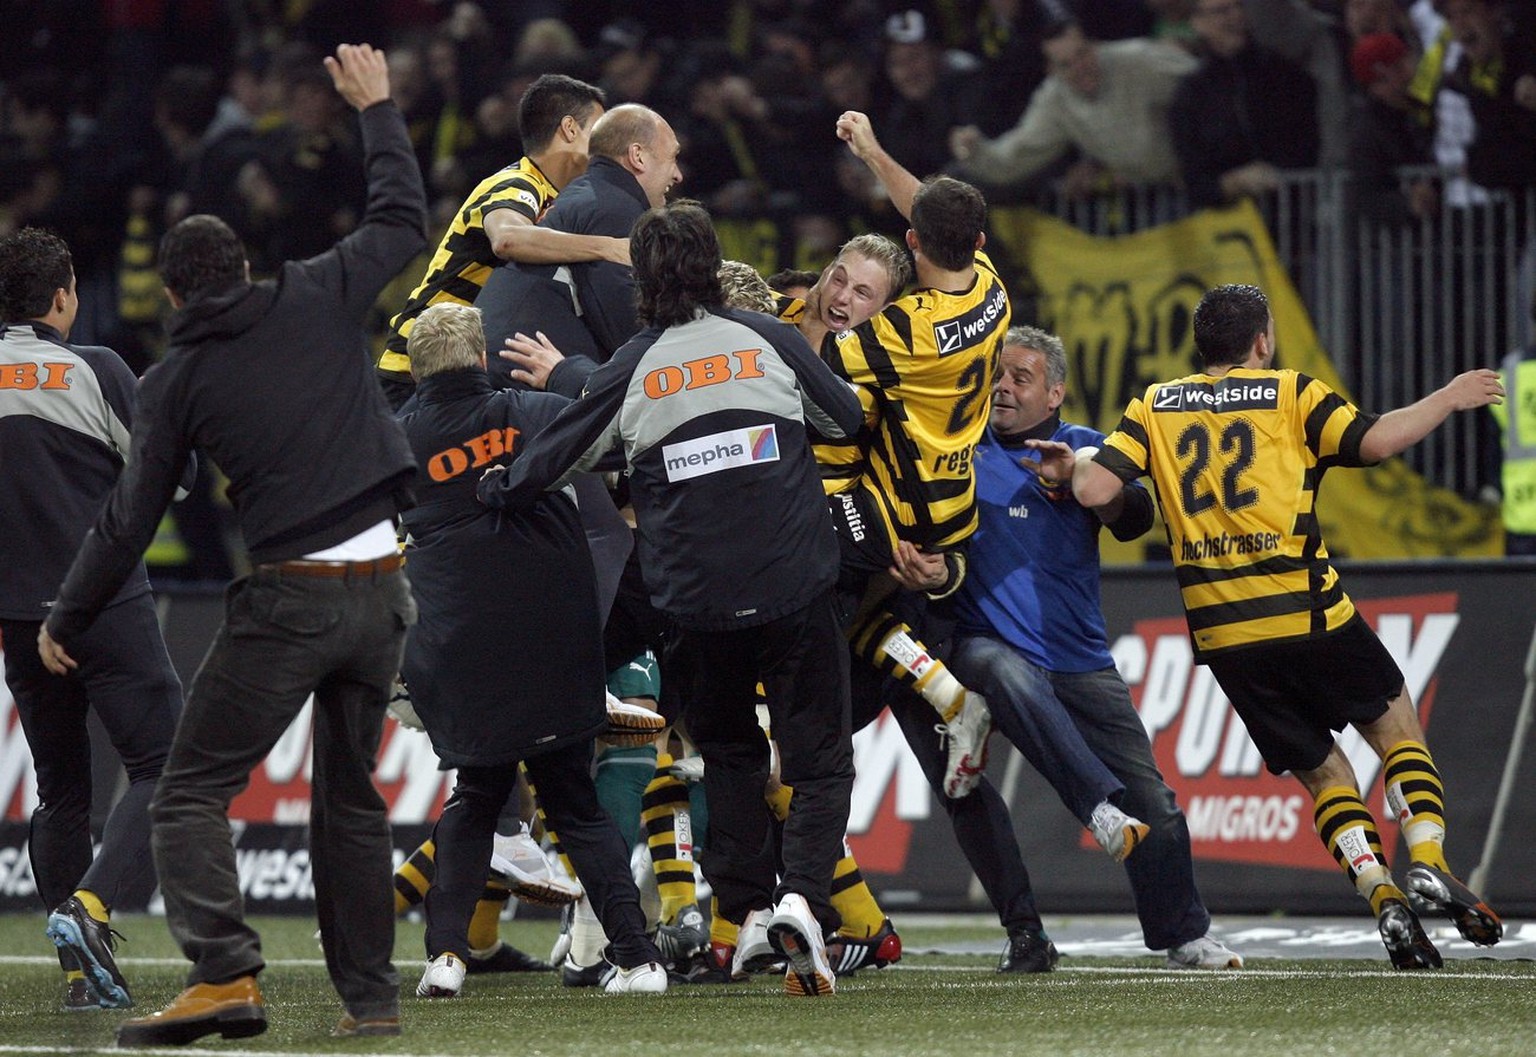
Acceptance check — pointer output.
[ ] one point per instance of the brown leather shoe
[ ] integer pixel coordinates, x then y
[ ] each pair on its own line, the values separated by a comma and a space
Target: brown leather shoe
350, 1026
234, 1010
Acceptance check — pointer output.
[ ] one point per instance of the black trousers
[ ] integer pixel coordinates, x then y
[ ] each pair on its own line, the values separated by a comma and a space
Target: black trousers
284, 637
463, 835
126, 676
802, 661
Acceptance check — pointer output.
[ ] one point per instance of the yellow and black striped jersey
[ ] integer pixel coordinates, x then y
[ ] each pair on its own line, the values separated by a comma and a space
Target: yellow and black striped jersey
842, 461
1236, 461
464, 259
929, 359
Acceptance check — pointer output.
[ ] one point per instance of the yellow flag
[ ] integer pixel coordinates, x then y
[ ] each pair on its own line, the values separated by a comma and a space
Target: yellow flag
1125, 308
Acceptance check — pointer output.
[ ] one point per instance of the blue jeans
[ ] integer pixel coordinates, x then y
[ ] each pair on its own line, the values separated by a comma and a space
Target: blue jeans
1082, 733
285, 637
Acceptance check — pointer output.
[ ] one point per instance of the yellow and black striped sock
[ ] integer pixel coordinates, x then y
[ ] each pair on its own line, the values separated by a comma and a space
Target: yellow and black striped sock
1417, 797
668, 825
889, 645
485, 924
851, 897
414, 877
1349, 833
554, 838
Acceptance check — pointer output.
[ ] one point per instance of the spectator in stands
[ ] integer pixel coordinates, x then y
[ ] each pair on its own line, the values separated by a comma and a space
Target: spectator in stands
1006, 38
1109, 101
1365, 17
1243, 115
1497, 74
1307, 37
728, 135
304, 188
631, 61
1388, 132
926, 98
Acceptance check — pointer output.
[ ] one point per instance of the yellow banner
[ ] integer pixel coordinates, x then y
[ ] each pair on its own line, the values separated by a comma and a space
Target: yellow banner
1125, 308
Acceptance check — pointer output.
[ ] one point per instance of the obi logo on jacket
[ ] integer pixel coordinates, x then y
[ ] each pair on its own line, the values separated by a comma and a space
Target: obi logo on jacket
472, 454
704, 371
34, 375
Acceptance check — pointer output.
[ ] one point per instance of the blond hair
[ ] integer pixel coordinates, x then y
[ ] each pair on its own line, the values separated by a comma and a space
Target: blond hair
744, 288
887, 254
445, 337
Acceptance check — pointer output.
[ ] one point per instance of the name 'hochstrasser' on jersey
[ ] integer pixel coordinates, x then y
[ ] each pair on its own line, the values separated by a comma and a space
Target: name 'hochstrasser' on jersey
1246, 543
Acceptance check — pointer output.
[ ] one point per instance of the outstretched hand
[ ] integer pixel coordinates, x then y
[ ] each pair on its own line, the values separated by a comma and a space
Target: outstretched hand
533, 359
1477, 388
360, 73
1057, 460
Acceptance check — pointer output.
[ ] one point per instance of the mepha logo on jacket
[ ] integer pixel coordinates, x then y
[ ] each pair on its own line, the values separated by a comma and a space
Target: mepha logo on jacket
720, 451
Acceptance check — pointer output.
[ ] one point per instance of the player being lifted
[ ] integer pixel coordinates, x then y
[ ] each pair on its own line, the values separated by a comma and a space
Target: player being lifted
924, 365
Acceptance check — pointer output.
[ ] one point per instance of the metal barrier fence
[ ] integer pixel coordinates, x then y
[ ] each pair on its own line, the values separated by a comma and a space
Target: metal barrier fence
1401, 308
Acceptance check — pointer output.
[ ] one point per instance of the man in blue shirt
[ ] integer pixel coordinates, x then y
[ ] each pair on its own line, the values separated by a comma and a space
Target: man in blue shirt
1031, 639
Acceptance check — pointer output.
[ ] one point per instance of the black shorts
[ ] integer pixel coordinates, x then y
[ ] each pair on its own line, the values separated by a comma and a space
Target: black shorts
1293, 695
866, 539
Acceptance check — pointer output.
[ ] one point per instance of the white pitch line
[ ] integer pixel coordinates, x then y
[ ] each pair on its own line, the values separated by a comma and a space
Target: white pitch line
1195, 976
188, 1051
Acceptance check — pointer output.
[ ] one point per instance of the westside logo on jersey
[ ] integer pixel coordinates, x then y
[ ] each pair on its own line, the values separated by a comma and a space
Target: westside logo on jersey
1229, 394
952, 335
720, 451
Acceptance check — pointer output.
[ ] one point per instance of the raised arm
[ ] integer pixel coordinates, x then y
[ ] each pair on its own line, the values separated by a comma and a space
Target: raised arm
394, 227
854, 129
1401, 429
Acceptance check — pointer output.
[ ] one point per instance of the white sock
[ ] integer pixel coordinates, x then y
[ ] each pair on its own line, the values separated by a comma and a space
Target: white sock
587, 936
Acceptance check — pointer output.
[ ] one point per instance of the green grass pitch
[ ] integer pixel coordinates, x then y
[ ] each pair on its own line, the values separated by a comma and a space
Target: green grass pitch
929, 1004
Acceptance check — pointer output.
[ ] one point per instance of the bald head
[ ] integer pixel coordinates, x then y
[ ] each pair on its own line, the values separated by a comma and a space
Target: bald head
639, 139
616, 129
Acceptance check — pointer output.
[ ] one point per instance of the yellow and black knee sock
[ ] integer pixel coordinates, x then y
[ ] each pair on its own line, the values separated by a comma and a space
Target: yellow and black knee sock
668, 823
889, 645
851, 897
1417, 797
485, 923
414, 877
1349, 833
554, 838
